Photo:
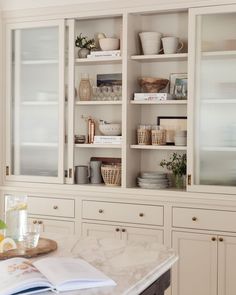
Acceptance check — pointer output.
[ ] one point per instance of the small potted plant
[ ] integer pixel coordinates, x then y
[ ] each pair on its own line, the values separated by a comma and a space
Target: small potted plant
85, 45
178, 165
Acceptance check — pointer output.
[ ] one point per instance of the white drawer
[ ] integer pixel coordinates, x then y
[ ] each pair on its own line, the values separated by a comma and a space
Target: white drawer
51, 207
130, 213
204, 219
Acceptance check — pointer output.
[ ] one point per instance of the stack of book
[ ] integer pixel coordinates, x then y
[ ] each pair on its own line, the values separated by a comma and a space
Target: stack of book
110, 53
153, 96
99, 139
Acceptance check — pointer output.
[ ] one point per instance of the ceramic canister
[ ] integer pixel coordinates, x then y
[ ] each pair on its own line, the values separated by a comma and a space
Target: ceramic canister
95, 172
81, 174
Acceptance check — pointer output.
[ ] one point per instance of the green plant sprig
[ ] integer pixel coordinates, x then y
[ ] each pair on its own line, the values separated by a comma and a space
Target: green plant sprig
84, 42
2, 224
177, 164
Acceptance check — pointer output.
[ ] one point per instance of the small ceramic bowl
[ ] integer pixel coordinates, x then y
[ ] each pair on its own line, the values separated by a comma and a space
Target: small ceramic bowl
109, 44
110, 129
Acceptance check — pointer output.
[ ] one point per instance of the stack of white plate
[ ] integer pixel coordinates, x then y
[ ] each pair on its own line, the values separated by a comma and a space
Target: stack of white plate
153, 180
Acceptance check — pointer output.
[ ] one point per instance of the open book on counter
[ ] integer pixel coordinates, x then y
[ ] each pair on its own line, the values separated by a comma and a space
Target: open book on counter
20, 276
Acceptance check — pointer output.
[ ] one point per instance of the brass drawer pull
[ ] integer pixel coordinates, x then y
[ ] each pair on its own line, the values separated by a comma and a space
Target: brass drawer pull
40, 222
34, 221
100, 210
123, 230
55, 207
221, 239
194, 218
117, 229
213, 239
141, 214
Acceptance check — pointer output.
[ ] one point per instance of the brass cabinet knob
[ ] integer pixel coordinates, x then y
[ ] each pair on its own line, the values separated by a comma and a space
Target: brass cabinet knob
213, 239
117, 229
221, 239
34, 221
141, 214
40, 222
100, 210
194, 218
123, 230
55, 207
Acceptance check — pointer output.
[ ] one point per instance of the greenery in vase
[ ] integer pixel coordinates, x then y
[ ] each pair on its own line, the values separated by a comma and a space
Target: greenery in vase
177, 164
84, 42
2, 224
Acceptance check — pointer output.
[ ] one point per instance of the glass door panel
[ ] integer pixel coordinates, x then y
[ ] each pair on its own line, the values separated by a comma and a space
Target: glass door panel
215, 100
36, 98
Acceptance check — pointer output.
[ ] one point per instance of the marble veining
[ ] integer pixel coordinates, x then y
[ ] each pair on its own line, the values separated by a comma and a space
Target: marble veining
132, 265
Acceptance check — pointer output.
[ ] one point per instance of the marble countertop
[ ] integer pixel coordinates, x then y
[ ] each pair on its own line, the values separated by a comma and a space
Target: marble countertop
132, 265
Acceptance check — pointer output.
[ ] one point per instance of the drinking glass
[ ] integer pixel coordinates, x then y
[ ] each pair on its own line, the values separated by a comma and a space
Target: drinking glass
31, 237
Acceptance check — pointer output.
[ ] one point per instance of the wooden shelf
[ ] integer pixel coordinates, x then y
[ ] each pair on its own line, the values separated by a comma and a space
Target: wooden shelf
165, 102
158, 147
39, 62
224, 54
98, 60
96, 145
102, 102
161, 57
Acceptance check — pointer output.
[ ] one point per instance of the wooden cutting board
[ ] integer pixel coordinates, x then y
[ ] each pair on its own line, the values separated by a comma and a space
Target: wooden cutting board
45, 246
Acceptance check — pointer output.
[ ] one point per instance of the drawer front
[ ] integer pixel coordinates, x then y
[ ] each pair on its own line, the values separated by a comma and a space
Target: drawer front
51, 207
54, 226
204, 219
130, 213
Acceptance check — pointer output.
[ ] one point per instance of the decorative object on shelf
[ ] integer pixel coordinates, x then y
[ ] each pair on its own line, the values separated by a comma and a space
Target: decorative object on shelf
152, 85
178, 166
180, 137
171, 124
172, 45
85, 89
179, 85
108, 44
158, 135
151, 42
102, 54
109, 79
152, 96
144, 134
107, 139
95, 172
111, 174
16, 217
85, 45
112, 129
153, 180
79, 139
82, 174
91, 130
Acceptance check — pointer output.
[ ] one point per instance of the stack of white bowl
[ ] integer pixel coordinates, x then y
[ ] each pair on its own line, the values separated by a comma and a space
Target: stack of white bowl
153, 180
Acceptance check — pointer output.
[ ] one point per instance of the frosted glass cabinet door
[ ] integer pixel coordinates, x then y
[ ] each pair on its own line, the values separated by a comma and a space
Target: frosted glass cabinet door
35, 100
213, 86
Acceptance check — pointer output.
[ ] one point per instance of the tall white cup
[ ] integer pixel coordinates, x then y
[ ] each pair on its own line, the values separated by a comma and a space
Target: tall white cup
151, 42
171, 45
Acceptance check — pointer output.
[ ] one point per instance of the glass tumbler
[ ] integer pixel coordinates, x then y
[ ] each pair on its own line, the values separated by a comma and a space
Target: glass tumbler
31, 236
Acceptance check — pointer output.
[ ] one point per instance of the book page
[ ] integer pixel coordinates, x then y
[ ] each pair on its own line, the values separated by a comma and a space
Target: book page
72, 273
18, 274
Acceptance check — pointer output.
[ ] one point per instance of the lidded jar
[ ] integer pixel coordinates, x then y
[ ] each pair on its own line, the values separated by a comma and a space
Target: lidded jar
85, 88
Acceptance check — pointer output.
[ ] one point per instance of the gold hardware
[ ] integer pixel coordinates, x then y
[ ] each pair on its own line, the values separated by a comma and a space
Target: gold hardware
194, 218
100, 211
34, 221
123, 230
189, 179
66, 138
55, 207
117, 229
213, 239
7, 170
70, 173
40, 222
141, 214
221, 239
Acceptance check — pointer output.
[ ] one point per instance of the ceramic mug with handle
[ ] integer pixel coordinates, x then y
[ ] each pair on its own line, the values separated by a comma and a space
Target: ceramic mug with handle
151, 42
172, 45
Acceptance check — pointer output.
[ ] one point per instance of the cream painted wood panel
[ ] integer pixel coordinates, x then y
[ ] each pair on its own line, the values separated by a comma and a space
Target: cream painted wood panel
54, 226
127, 213
204, 219
101, 231
226, 265
196, 271
51, 206
142, 234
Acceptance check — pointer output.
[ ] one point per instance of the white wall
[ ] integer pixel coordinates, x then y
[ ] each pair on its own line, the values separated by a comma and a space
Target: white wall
24, 4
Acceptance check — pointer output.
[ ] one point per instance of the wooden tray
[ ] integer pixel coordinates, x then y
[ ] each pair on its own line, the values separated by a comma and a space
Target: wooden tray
44, 246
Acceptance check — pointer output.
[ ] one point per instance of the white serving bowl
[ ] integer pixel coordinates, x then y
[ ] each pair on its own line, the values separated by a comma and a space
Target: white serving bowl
110, 129
109, 44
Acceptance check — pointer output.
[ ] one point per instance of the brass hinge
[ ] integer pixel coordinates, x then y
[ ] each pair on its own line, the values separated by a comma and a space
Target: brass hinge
70, 173
189, 179
66, 138
7, 170
65, 173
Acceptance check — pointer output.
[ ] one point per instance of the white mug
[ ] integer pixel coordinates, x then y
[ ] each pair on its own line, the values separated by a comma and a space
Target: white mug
151, 42
171, 45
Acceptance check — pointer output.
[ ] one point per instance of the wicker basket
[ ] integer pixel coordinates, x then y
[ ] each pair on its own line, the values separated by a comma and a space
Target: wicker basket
144, 136
158, 137
111, 174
